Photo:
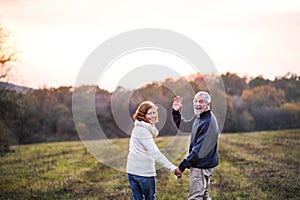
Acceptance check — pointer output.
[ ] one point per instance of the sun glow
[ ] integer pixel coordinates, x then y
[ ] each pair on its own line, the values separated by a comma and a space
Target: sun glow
249, 38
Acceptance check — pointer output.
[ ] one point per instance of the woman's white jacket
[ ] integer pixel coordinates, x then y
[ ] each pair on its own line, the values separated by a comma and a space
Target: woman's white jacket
143, 151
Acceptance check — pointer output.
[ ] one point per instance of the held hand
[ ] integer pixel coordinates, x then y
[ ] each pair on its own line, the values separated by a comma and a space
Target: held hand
177, 103
178, 173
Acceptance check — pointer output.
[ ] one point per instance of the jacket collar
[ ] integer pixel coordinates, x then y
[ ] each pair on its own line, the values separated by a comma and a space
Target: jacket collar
206, 113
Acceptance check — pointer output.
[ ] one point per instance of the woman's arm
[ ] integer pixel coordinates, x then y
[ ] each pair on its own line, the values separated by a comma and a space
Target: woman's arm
155, 153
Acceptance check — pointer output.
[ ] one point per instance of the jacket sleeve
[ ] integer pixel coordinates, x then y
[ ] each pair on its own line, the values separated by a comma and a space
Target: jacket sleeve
193, 156
176, 117
155, 153
181, 124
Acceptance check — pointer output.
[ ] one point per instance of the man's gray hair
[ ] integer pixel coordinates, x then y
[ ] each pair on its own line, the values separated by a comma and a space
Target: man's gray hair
205, 94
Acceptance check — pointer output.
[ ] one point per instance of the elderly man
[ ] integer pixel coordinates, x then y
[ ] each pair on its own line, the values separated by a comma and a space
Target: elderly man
203, 155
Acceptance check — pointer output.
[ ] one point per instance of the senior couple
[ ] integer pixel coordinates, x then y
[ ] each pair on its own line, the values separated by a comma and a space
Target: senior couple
143, 152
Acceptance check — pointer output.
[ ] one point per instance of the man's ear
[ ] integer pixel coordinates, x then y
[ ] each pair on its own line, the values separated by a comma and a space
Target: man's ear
208, 105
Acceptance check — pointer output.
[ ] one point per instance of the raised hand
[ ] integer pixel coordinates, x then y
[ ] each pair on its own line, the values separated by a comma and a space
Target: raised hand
177, 103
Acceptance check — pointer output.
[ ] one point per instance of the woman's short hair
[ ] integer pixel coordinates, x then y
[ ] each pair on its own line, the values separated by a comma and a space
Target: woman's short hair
141, 111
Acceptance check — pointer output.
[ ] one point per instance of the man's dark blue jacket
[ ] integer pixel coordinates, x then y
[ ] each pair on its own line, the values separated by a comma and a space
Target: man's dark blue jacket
204, 140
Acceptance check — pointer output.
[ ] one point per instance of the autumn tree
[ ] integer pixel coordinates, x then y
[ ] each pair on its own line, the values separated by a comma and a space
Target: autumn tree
290, 83
292, 111
263, 96
234, 85
258, 81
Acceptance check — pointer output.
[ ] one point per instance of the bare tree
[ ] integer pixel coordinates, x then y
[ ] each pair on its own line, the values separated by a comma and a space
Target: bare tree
8, 54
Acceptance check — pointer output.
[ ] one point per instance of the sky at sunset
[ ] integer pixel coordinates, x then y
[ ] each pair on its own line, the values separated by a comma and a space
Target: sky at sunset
55, 38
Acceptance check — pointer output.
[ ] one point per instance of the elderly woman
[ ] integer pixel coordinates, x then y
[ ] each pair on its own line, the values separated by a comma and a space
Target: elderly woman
143, 153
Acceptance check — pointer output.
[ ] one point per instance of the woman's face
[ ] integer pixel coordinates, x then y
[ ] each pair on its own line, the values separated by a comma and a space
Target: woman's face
151, 115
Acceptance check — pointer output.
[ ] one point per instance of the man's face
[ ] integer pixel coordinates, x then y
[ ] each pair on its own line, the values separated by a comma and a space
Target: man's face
200, 105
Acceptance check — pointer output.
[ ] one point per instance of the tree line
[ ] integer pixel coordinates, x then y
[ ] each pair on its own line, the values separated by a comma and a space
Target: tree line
45, 115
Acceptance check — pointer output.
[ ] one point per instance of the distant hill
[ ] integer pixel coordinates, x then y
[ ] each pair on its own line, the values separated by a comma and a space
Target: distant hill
16, 88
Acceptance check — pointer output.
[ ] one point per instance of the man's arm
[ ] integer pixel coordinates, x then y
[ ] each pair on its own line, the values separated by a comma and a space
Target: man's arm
176, 118
181, 124
193, 156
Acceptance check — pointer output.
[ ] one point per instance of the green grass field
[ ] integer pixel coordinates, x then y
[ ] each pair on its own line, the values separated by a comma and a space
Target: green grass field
260, 165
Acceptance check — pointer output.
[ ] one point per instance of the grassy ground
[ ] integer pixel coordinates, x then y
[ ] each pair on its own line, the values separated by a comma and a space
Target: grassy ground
261, 165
